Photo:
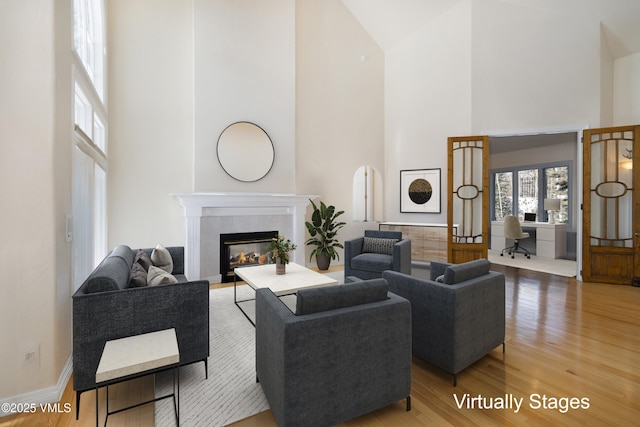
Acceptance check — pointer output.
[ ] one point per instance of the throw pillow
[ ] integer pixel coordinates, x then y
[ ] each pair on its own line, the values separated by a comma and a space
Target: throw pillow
158, 276
160, 257
378, 245
138, 277
440, 278
143, 259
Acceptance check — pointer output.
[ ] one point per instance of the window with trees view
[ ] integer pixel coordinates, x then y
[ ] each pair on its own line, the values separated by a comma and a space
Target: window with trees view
522, 190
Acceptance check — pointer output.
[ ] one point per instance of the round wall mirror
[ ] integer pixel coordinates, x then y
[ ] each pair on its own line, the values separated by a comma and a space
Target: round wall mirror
245, 151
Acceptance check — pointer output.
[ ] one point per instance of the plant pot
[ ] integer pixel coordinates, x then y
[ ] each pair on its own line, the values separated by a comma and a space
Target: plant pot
280, 266
323, 260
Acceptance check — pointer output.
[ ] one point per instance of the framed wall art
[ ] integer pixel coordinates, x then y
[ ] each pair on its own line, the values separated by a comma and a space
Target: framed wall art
420, 190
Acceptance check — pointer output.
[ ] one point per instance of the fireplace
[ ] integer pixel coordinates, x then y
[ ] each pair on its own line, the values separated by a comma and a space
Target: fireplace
243, 250
207, 213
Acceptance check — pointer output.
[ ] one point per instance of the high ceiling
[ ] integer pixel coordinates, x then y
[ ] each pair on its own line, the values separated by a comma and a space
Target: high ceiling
389, 22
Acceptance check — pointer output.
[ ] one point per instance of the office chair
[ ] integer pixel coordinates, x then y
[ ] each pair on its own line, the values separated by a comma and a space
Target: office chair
513, 230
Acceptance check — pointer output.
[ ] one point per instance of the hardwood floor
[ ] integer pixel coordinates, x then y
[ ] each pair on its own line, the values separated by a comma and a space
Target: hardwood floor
564, 340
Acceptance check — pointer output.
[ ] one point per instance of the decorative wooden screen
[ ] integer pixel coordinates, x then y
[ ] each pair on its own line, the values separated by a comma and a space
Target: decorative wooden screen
468, 198
610, 233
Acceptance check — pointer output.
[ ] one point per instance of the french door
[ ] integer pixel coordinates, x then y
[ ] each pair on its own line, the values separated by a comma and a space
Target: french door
468, 198
611, 205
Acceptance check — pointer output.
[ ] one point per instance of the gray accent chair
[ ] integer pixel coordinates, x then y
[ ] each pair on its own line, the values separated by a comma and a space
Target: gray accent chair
346, 353
370, 265
457, 322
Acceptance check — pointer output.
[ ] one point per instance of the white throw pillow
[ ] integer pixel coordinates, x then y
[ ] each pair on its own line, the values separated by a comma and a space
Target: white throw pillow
160, 257
157, 276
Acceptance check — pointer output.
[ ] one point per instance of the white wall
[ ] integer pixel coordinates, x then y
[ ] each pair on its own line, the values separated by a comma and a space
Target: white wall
339, 106
492, 66
627, 90
606, 82
244, 71
230, 61
150, 104
35, 170
533, 68
427, 99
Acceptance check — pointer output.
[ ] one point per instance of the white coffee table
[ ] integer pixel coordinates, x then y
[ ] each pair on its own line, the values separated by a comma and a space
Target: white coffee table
136, 356
264, 276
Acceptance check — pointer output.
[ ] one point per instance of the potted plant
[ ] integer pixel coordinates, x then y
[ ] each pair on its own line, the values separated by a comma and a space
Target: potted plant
323, 229
280, 248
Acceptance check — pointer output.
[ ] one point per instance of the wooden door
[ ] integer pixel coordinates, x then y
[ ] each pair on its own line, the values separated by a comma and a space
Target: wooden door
611, 205
468, 198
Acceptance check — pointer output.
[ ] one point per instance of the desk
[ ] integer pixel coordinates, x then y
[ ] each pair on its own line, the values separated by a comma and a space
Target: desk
551, 239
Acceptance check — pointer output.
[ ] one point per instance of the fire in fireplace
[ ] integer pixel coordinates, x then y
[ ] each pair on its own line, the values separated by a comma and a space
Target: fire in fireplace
242, 250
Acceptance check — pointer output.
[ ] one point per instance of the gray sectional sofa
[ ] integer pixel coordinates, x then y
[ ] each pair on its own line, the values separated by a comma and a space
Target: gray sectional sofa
106, 308
458, 316
345, 352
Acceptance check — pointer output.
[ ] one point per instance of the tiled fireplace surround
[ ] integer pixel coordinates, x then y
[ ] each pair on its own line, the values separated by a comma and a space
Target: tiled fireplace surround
207, 215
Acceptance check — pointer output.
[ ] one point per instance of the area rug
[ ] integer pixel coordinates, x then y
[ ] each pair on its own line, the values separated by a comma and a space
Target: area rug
560, 267
231, 392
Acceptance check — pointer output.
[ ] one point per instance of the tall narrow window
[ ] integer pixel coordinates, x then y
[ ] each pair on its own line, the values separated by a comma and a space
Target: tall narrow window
90, 139
83, 112
99, 213
503, 194
557, 187
88, 40
527, 191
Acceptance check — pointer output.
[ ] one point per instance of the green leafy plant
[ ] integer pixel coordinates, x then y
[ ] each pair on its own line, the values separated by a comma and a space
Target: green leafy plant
280, 248
323, 229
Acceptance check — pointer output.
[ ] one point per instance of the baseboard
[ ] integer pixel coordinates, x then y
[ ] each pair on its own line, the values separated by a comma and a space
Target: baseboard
44, 395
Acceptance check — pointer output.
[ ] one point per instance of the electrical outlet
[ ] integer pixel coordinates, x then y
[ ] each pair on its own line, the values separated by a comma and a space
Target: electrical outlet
30, 354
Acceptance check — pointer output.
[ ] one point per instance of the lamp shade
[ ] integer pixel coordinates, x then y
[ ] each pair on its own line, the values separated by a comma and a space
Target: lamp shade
551, 204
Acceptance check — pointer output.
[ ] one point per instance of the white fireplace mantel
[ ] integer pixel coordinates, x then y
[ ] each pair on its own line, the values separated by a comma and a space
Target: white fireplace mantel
237, 212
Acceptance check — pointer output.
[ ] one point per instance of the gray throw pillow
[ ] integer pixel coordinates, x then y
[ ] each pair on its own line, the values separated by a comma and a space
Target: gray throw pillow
158, 276
143, 259
138, 276
378, 245
160, 257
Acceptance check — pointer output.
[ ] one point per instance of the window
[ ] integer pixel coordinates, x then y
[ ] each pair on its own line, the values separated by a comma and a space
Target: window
503, 191
90, 139
99, 214
88, 40
526, 193
557, 187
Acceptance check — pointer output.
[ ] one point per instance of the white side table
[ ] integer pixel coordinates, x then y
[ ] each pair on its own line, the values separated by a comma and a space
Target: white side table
136, 356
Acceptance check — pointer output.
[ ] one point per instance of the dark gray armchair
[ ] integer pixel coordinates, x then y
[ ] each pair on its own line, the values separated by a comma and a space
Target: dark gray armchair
456, 322
367, 257
345, 353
